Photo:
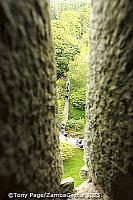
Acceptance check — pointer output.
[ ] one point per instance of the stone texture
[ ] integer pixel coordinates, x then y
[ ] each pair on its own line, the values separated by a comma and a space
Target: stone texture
84, 172
109, 131
87, 190
67, 185
29, 143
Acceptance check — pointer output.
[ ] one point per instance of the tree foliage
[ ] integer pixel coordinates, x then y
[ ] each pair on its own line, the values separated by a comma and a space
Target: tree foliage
66, 150
75, 124
70, 31
78, 99
66, 45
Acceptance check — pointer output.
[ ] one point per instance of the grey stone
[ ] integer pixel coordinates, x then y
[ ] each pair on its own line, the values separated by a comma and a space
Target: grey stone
67, 185
85, 172
110, 98
87, 190
29, 143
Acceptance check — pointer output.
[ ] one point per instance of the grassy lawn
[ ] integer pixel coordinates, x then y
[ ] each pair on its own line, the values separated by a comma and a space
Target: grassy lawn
72, 166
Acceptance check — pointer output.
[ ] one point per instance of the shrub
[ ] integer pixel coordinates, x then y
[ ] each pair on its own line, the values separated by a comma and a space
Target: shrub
60, 109
66, 150
78, 99
70, 123
75, 124
61, 88
76, 113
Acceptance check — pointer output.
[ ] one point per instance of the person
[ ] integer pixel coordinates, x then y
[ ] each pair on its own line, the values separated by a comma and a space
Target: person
62, 128
66, 135
66, 96
67, 86
79, 143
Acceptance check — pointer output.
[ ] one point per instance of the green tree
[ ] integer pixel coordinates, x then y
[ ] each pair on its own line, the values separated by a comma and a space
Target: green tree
66, 46
68, 32
71, 31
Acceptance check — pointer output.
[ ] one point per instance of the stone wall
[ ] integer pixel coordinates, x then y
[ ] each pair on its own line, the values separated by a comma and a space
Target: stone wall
109, 131
29, 143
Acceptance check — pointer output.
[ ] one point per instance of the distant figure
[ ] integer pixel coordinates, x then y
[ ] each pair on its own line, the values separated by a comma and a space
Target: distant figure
66, 96
62, 128
66, 135
79, 143
67, 86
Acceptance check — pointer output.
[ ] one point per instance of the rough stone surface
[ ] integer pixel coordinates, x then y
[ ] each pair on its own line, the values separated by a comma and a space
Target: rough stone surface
84, 172
29, 153
67, 185
109, 131
29, 143
87, 190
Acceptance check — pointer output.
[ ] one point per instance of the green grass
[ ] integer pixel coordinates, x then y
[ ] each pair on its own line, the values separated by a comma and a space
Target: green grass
73, 165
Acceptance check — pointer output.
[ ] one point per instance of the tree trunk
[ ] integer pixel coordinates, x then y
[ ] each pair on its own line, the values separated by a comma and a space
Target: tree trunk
109, 132
29, 143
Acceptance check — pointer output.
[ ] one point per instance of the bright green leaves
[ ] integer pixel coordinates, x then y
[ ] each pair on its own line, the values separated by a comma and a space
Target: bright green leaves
78, 99
68, 31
